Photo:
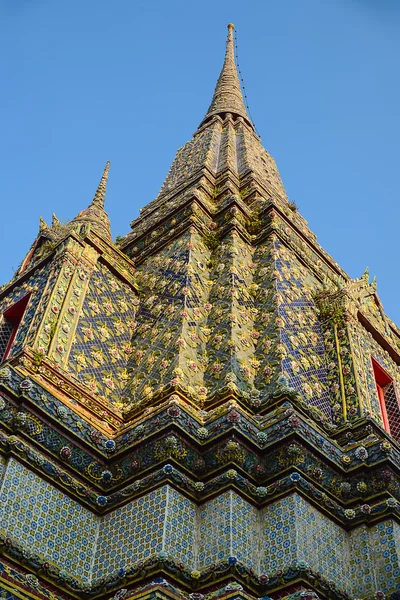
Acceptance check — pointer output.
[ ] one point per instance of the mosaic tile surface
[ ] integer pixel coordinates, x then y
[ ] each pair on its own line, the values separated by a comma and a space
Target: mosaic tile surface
102, 346
361, 562
324, 545
180, 532
384, 540
279, 534
239, 319
301, 335
229, 526
245, 532
215, 530
131, 533
34, 285
41, 517
288, 530
174, 309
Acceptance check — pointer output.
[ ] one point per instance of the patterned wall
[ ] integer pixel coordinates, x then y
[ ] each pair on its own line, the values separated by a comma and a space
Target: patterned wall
168, 345
366, 347
35, 285
301, 335
229, 526
245, 532
321, 543
131, 533
375, 557
280, 546
361, 561
233, 337
294, 530
233, 317
180, 534
46, 521
162, 521
384, 540
215, 530
102, 342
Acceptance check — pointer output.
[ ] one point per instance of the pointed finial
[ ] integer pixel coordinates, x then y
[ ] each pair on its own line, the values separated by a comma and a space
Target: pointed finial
228, 93
100, 195
55, 221
42, 224
95, 215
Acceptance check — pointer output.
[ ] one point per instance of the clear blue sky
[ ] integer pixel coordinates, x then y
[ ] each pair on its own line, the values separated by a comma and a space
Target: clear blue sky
128, 81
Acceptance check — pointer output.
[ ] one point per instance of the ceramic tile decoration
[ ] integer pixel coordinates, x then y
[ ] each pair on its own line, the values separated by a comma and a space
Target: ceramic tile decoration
206, 407
47, 522
131, 533
180, 529
101, 345
279, 535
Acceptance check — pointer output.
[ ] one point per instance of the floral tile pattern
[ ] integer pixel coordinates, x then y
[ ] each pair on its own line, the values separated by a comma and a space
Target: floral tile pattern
102, 344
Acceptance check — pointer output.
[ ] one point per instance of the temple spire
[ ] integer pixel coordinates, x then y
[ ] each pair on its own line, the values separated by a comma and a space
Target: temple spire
228, 96
95, 215
100, 195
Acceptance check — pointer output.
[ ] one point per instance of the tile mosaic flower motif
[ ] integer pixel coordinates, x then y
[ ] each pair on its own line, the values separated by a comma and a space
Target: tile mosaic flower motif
101, 347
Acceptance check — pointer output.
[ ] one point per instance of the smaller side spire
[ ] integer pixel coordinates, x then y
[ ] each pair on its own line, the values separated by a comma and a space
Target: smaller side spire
94, 214
100, 195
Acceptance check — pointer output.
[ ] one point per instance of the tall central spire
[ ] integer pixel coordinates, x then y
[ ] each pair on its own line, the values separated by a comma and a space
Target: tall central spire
227, 96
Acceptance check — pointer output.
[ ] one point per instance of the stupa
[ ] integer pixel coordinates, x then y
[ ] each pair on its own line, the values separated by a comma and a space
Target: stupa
205, 409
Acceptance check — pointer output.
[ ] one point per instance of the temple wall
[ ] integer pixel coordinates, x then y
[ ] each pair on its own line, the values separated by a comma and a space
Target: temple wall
35, 285
131, 533
168, 343
48, 523
366, 347
102, 341
229, 526
385, 543
180, 530
322, 544
279, 535
302, 342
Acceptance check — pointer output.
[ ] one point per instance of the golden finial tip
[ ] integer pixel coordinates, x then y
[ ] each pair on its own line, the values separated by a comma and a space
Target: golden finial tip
42, 223
231, 26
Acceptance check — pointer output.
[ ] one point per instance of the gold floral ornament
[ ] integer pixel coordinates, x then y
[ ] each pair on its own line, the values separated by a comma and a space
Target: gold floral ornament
81, 362
97, 355
114, 353
104, 332
109, 383
88, 334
